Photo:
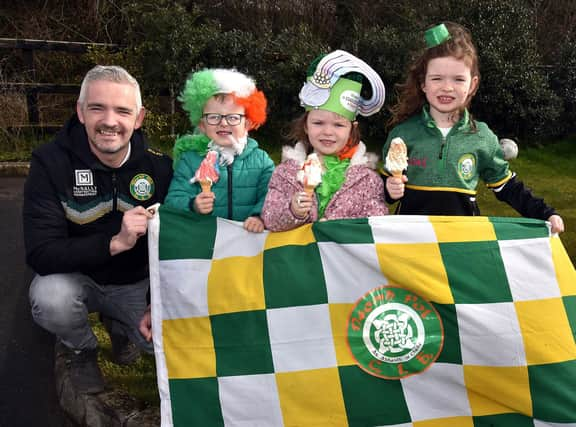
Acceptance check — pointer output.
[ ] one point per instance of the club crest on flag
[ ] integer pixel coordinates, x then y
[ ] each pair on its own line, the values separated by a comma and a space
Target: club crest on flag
394, 333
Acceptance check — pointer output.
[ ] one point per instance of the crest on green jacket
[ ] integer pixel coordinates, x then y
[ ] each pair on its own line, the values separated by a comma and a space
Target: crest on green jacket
467, 166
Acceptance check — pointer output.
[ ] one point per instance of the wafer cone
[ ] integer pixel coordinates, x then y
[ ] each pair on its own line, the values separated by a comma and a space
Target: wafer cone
206, 186
309, 189
397, 174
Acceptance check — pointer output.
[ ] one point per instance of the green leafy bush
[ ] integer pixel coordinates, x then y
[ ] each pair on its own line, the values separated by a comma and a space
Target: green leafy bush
563, 83
514, 97
162, 41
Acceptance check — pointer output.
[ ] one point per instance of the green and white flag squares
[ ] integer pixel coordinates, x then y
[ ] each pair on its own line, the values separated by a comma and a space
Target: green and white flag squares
385, 321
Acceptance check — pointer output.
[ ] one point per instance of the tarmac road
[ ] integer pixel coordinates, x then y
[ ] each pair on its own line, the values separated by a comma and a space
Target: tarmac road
27, 388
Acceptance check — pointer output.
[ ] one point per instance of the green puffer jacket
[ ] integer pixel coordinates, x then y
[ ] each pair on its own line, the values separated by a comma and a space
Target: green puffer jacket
240, 191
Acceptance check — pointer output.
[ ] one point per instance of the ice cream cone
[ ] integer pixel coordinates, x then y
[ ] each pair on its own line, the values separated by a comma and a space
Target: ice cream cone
207, 173
310, 173
206, 186
397, 157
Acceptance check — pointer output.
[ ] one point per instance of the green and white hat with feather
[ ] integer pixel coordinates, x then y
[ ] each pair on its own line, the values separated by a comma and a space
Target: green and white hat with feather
334, 82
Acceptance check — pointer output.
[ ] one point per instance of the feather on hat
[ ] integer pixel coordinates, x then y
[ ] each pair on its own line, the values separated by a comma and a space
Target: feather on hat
328, 86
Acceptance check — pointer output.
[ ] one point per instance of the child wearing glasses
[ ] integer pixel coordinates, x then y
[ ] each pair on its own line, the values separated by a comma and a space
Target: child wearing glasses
223, 105
342, 182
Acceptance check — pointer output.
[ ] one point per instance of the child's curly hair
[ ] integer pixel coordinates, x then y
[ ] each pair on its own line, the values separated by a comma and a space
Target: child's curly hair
411, 98
204, 84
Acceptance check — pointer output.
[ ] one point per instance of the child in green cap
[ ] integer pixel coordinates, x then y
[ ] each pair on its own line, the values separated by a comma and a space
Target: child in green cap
327, 174
448, 151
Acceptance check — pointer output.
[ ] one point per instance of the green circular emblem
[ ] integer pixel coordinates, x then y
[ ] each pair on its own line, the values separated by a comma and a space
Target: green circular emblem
142, 186
467, 166
394, 333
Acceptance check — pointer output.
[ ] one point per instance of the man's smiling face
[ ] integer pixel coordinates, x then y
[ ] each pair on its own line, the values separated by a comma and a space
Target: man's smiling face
110, 115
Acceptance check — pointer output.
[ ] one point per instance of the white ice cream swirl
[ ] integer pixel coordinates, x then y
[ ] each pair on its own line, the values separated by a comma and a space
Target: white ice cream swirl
311, 172
397, 157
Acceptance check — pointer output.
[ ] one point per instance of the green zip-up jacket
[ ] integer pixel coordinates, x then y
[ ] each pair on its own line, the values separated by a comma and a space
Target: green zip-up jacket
239, 192
444, 172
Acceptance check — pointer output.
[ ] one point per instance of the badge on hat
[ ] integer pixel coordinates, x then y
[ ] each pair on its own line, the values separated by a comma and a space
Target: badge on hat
331, 86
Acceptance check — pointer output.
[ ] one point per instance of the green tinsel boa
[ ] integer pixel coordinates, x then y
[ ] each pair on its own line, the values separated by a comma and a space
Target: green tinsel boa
332, 179
197, 142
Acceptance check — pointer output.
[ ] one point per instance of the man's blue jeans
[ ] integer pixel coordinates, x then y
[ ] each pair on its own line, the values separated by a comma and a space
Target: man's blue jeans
61, 304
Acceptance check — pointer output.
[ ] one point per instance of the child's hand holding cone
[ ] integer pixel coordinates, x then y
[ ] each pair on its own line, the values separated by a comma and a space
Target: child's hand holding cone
396, 163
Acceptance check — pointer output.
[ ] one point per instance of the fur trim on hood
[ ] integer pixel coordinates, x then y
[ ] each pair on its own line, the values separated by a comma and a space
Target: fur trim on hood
361, 157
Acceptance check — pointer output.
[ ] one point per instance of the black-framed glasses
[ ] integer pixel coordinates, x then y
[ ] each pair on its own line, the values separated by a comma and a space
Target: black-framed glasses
215, 118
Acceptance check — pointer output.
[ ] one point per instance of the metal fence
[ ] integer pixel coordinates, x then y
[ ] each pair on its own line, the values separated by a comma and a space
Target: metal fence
32, 90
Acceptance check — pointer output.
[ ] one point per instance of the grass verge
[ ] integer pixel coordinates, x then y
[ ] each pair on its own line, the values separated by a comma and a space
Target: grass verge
137, 379
550, 173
